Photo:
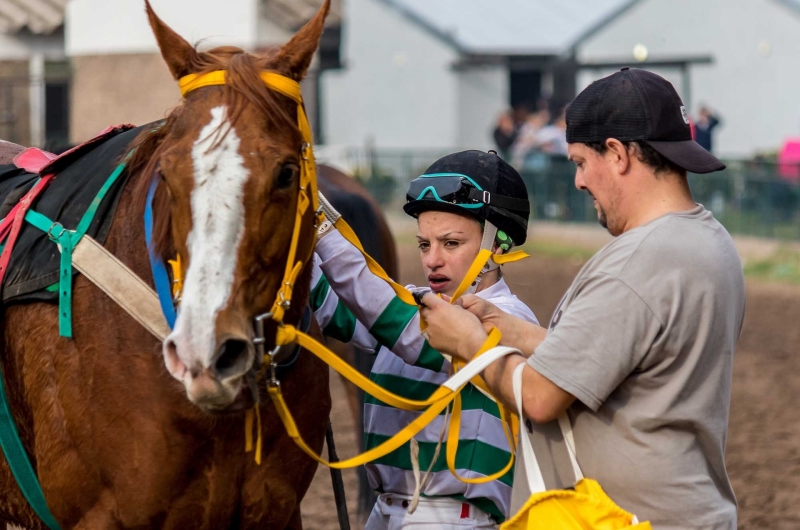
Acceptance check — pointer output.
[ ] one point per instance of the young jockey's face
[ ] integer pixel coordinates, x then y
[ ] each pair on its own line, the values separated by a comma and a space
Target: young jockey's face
448, 244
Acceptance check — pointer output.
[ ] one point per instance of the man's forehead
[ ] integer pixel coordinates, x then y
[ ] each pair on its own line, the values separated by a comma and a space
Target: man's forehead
575, 149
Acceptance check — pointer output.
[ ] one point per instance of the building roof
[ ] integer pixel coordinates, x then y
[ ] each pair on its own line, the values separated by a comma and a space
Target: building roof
512, 27
38, 16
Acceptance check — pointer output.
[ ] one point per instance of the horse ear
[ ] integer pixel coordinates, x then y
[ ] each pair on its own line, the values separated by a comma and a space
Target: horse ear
177, 53
295, 56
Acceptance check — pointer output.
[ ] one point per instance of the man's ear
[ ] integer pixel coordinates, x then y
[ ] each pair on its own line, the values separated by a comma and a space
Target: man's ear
619, 155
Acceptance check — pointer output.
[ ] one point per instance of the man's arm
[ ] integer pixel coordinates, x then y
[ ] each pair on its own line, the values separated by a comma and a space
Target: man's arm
453, 330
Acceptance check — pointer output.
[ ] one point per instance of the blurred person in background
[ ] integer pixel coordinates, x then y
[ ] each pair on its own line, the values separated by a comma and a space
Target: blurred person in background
552, 139
527, 139
704, 128
508, 127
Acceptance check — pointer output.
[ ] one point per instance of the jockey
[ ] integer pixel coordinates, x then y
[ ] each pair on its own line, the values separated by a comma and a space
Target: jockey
464, 202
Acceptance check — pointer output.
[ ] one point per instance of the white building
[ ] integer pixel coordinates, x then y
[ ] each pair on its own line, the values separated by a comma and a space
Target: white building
752, 81
437, 73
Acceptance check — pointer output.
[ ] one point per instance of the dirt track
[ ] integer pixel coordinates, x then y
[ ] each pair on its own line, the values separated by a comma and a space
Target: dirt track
764, 438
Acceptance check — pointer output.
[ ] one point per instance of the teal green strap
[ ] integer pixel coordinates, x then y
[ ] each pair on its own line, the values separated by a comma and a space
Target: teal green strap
66, 239
88, 217
20, 464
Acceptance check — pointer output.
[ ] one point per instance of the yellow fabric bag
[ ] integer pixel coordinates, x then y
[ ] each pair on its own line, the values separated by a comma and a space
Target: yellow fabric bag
587, 507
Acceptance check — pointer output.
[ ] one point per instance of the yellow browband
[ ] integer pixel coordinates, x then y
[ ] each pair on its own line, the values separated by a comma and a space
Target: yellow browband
288, 334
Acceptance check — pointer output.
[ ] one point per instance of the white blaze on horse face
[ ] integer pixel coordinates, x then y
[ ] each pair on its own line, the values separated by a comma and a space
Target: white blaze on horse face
217, 228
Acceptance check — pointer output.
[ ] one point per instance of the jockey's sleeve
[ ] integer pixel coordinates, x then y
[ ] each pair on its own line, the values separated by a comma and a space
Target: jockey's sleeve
335, 319
374, 303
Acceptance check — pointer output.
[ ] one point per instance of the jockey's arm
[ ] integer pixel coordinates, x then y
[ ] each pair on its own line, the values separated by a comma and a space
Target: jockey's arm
335, 319
392, 322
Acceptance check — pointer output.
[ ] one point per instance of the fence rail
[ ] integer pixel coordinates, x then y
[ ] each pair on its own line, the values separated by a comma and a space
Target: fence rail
758, 198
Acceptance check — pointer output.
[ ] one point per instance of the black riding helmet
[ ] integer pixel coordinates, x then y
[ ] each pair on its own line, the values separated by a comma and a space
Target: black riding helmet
477, 183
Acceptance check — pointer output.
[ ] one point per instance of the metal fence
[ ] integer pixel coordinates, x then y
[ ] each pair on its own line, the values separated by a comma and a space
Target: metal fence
758, 198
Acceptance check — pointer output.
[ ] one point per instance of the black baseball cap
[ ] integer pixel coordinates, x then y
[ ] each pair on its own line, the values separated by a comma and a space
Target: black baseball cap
501, 196
637, 105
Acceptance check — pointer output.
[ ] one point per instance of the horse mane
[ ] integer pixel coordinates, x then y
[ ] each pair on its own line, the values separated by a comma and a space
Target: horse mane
243, 87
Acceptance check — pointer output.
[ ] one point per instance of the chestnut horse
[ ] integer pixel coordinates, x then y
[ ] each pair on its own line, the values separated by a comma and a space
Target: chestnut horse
105, 417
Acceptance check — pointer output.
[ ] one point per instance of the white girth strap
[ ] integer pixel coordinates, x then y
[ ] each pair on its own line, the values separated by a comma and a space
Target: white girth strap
121, 284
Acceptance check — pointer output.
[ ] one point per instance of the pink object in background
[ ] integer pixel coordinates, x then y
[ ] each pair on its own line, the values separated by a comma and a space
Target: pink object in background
789, 160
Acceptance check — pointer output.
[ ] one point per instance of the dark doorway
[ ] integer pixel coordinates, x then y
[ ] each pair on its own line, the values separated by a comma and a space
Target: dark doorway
526, 88
56, 113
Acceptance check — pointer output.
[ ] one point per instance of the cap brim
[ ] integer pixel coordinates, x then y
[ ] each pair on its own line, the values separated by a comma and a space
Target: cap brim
689, 155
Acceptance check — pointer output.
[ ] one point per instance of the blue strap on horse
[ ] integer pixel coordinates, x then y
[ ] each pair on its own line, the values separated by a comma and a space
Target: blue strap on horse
160, 276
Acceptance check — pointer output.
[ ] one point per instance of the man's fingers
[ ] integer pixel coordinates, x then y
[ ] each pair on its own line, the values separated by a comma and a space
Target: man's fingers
431, 300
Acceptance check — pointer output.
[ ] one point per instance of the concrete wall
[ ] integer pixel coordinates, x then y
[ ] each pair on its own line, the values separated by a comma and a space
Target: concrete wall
118, 73
112, 89
482, 96
397, 88
754, 82
15, 123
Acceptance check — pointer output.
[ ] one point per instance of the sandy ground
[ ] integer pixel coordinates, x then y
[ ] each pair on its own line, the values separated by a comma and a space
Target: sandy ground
763, 450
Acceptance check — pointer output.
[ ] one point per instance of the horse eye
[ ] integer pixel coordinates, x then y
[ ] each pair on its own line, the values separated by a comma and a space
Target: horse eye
286, 176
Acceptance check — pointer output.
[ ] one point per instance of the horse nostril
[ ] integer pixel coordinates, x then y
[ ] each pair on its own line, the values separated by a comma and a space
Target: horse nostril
174, 363
232, 358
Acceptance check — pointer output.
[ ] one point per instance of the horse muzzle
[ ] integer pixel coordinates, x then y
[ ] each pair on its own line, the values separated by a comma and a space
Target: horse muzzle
219, 383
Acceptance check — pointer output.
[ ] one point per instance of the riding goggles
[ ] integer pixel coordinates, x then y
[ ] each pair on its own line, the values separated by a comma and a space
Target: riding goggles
454, 188
461, 190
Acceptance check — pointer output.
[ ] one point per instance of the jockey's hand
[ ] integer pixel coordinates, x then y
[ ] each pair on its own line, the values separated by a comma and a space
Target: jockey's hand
331, 216
451, 330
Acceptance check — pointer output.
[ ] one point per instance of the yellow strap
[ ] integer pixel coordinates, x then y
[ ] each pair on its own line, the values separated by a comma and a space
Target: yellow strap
502, 259
453, 432
177, 276
474, 269
445, 396
288, 87
288, 334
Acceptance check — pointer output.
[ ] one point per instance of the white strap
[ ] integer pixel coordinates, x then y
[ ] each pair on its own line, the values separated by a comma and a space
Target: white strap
569, 441
489, 233
532, 470
476, 366
121, 284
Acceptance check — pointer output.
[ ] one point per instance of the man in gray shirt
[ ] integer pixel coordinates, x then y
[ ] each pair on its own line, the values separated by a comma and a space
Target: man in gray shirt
639, 352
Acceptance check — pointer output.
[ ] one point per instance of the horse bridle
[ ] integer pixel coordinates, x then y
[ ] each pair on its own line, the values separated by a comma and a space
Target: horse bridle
307, 197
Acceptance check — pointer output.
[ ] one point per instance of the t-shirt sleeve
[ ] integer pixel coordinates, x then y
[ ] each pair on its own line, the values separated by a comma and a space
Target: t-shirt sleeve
601, 337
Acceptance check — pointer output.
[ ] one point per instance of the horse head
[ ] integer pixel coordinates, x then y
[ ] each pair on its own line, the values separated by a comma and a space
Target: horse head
230, 158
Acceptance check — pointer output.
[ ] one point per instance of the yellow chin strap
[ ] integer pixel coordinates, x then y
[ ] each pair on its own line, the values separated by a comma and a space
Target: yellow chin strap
288, 334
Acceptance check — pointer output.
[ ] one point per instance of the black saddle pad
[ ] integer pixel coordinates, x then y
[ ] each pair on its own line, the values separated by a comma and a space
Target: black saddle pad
35, 259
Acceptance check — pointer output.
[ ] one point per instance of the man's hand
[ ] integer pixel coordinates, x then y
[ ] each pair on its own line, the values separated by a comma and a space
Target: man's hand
452, 330
517, 333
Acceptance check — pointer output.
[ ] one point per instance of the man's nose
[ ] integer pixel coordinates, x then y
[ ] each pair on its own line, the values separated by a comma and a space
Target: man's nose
579, 183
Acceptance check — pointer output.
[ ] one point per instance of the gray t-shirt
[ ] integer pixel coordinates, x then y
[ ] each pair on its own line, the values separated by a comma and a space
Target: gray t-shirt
644, 339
